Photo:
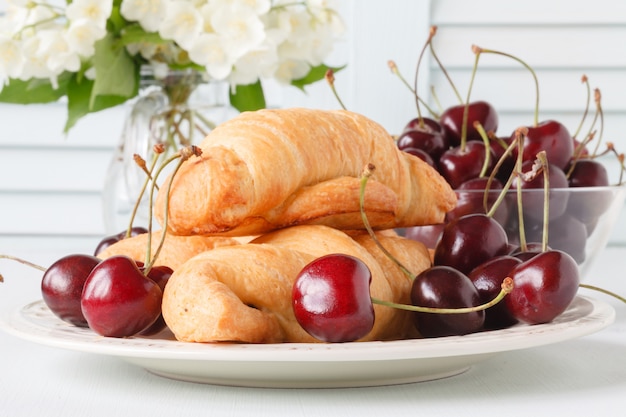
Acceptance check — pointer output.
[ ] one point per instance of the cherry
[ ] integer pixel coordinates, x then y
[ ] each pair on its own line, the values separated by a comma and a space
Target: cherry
470, 199
421, 154
331, 298
425, 134
118, 300
445, 287
568, 234
110, 240
62, 286
544, 287
487, 278
159, 274
428, 234
553, 138
470, 240
478, 111
585, 205
463, 163
533, 201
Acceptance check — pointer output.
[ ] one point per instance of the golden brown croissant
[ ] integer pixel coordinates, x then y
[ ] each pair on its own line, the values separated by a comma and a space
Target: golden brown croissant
269, 169
175, 251
242, 293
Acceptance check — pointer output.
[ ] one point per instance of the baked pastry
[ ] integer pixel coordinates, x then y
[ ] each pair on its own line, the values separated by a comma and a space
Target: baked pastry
270, 169
175, 251
242, 293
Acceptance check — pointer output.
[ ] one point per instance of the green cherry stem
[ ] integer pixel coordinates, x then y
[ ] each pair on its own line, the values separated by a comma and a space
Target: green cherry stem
602, 290
506, 288
479, 50
367, 173
330, 79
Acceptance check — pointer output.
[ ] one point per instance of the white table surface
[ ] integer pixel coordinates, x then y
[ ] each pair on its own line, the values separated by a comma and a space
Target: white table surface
581, 377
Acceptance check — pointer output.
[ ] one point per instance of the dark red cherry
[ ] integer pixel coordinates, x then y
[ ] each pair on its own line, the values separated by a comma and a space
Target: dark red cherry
553, 138
445, 287
62, 286
471, 199
487, 278
479, 111
110, 240
469, 241
428, 234
331, 298
159, 274
460, 164
544, 286
421, 155
118, 300
588, 204
533, 200
425, 134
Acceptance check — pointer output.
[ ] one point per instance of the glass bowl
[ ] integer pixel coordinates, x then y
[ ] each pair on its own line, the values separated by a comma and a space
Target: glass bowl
580, 219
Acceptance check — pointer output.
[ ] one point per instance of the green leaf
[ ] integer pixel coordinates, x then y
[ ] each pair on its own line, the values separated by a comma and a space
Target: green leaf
248, 97
35, 90
134, 33
79, 101
314, 75
117, 73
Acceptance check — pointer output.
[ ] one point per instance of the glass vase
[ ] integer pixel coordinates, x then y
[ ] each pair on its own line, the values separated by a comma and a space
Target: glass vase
176, 110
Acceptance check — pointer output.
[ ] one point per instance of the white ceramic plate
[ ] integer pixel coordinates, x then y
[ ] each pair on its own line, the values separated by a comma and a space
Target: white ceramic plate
310, 365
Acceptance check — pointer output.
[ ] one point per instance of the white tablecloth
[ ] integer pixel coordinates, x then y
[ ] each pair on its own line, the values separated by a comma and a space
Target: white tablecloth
581, 377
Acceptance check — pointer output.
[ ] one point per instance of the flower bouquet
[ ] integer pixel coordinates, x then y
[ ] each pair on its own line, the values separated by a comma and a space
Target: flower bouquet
92, 51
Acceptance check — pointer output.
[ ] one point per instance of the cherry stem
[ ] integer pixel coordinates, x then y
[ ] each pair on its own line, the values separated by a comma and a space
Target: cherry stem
394, 69
543, 160
506, 288
467, 102
481, 130
330, 79
183, 155
445, 72
490, 51
520, 202
602, 290
367, 173
585, 81
22, 261
431, 34
158, 149
600, 114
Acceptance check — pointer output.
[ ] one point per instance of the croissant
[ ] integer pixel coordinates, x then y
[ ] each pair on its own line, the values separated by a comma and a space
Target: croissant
270, 169
242, 293
175, 251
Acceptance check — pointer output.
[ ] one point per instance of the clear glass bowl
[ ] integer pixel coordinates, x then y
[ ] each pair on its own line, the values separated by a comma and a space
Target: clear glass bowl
580, 219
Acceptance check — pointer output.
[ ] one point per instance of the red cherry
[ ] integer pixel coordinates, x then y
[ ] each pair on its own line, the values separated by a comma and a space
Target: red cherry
588, 205
461, 164
428, 234
533, 201
62, 286
487, 278
110, 240
118, 300
479, 111
469, 241
159, 274
331, 298
544, 286
425, 134
421, 154
470, 199
551, 137
445, 287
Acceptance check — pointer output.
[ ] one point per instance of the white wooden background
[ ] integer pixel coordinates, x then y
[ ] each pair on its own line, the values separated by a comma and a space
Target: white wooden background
50, 184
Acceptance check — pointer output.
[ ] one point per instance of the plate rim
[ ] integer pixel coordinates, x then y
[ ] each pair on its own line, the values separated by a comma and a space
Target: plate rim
600, 316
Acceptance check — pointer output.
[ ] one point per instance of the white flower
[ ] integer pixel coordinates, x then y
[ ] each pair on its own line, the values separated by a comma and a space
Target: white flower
82, 35
259, 63
289, 70
182, 23
241, 31
56, 52
95, 11
149, 13
11, 59
209, 51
